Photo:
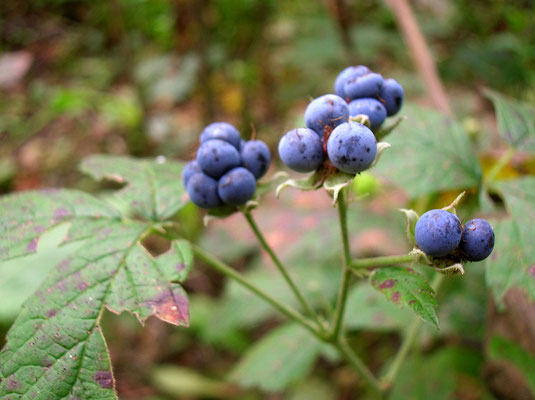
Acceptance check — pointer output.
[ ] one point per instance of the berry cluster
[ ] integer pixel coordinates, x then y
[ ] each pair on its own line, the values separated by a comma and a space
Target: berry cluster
366, 92
350, 146
440, 233
226, 168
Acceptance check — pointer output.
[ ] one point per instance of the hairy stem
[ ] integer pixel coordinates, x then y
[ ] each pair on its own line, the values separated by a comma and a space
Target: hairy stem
284, 272
408, 340
384, 261
346, 270
233, 274
352, 359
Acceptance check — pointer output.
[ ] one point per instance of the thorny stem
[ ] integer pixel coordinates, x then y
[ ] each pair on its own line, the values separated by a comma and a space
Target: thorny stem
384, 261
233, 274
346, 272
408, 341
284, 272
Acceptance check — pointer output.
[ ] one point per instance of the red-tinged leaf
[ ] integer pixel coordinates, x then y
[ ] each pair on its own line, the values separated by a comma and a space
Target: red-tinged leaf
55, 348
403, 286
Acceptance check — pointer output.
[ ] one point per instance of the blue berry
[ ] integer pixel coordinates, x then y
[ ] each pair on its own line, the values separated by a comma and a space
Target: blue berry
368, 85
221, 131
438, 232
477, 240
256, 157
372, 108
347, 74
215, 157
392, 96
189, 170
242, 143
327, 111
352, 147
202, 191
301, 150
236, 186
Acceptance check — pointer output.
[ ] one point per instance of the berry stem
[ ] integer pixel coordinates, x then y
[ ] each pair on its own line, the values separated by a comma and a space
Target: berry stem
284, 272
233, 274
383, 261
346, 272
408, 341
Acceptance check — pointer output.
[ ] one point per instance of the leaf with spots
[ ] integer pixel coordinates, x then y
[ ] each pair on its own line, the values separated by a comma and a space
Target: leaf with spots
431, 153
403, 286
516, 121
512, 263
55, 348
153, 189
283, 356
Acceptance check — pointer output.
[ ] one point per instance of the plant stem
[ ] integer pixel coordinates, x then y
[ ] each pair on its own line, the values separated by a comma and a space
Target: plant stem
371, 382
346, 272
408, 340
304, 303
500, 164
233, 274
384, 261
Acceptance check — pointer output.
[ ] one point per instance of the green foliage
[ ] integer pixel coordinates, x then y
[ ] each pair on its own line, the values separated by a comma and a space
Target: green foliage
55, 345
284, 355
433, 153
516, 121
511, 263
404, 286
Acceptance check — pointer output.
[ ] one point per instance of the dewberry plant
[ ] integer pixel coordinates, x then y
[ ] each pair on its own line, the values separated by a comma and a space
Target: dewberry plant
56, 348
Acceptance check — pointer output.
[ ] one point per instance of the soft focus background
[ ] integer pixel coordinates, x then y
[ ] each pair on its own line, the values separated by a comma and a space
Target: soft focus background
143, 77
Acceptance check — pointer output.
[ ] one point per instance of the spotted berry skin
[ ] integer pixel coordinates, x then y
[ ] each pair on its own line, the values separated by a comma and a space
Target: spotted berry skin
392, 96
351, 147
215, 157
301, 150
222, 131
368, 85
371, 107
202, 191
256, 157
326, 112
438, 232
477, 240
347, 74
237, 186
190, 169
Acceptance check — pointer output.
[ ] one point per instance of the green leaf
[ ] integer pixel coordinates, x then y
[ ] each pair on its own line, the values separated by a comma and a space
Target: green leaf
153, 189
431, 153
55, 348
403, 286
385, 131
311, 182
501, 349
511, 264
449, 373
284, 355
367, 309
516, 121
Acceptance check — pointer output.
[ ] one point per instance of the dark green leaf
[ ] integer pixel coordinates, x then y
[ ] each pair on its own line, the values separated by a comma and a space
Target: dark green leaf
403, 286
55, 348
430, 152
501, 349
511, 264
281, 357
152, 189
516, 121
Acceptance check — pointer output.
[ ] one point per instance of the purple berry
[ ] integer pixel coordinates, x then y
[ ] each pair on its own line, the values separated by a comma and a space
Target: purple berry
438, 232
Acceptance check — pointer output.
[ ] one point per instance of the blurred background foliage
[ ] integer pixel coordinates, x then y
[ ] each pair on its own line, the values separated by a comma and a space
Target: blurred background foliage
142, 77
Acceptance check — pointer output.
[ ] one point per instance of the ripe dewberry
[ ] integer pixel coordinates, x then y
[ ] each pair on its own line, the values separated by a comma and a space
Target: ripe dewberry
438, 232
477, 240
